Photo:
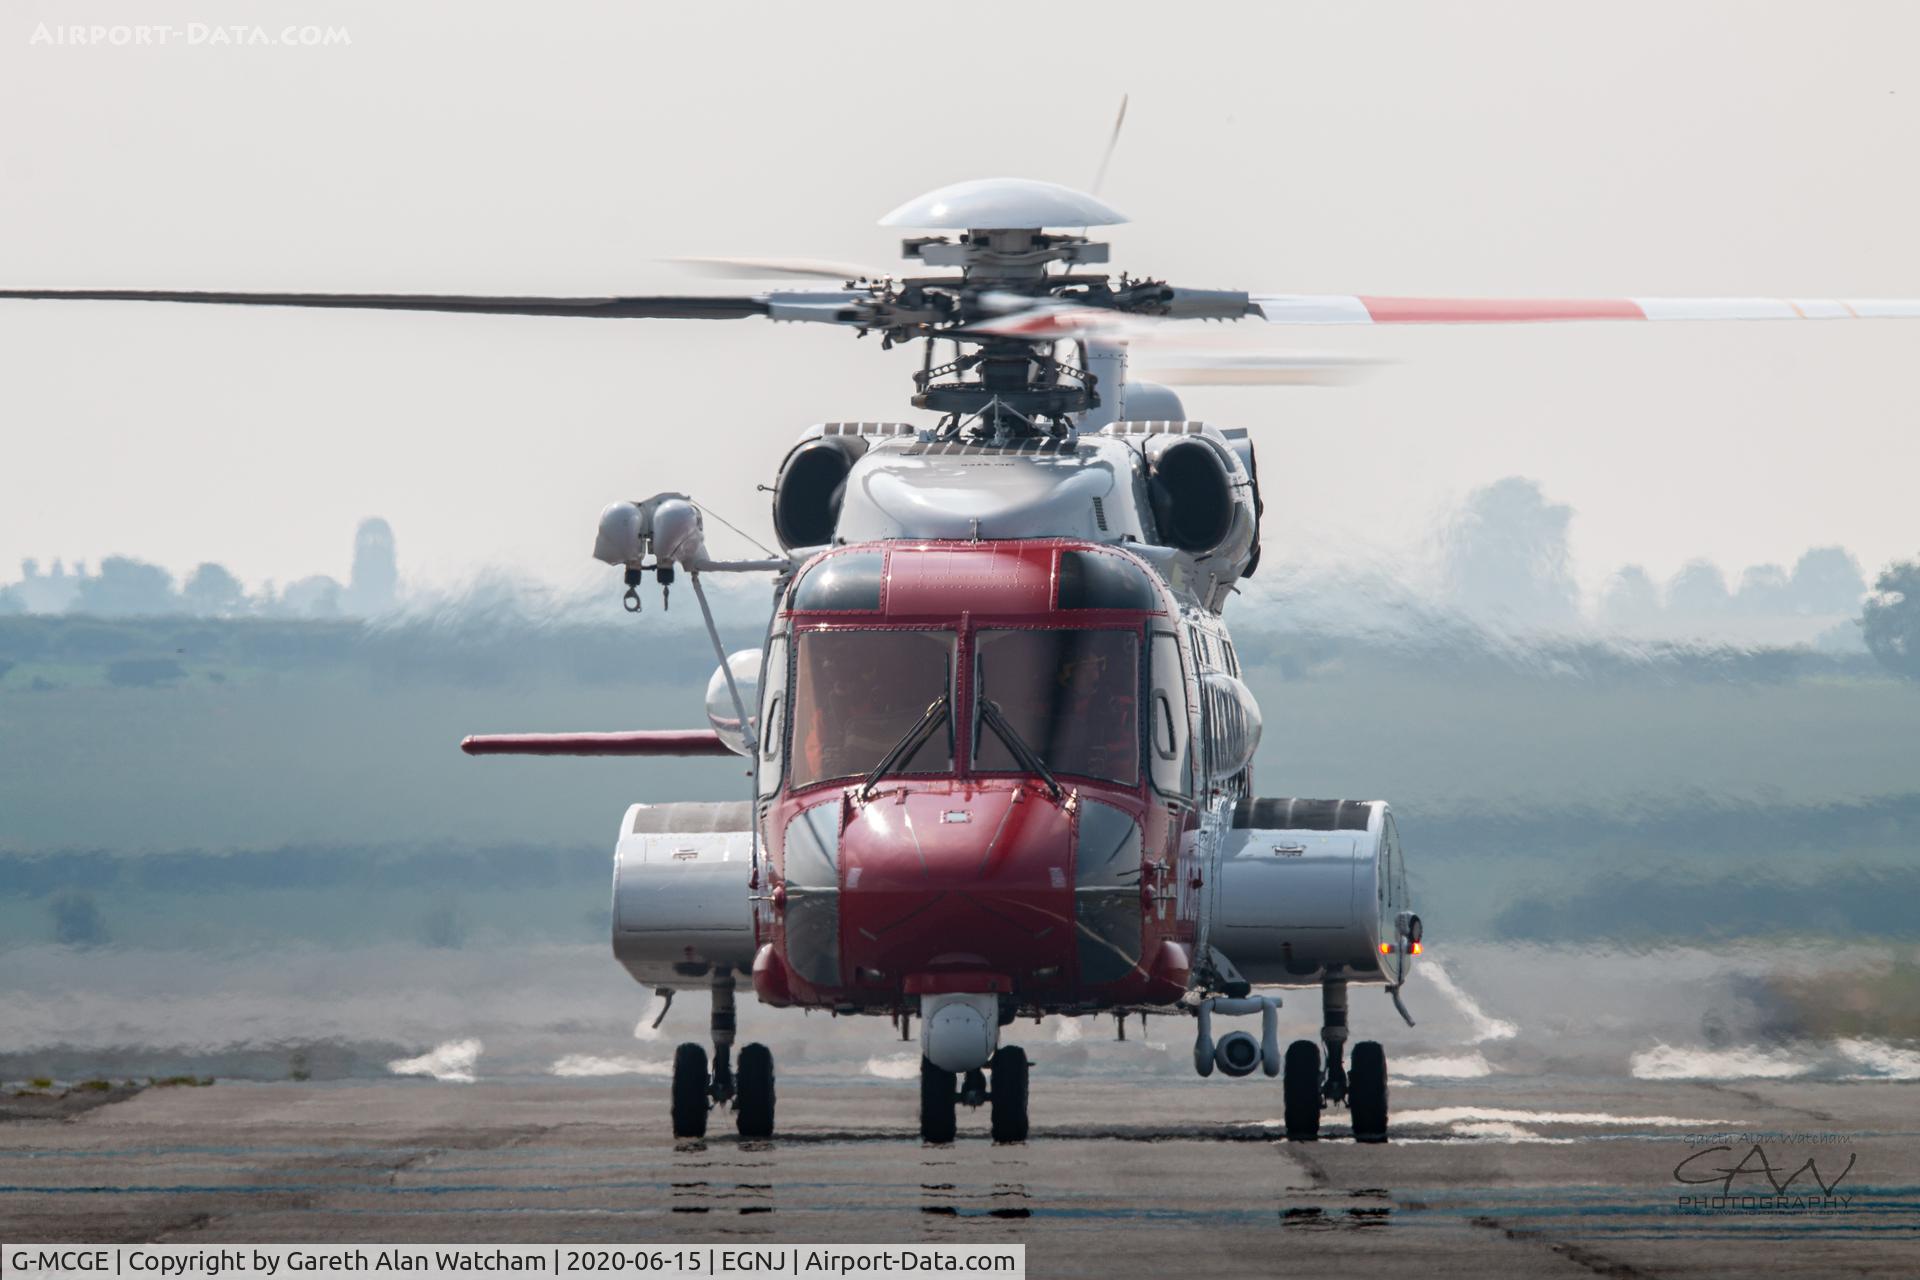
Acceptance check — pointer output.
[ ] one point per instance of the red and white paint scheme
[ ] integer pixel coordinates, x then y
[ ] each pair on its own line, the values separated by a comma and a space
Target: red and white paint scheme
1311, 309
998, 748
965, 871
1001, 761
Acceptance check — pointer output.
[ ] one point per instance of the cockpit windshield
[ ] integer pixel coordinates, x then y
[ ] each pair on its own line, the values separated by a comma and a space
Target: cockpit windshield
1072, 696
856, 694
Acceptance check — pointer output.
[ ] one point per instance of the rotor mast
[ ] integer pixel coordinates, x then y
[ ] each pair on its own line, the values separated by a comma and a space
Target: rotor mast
1012, 386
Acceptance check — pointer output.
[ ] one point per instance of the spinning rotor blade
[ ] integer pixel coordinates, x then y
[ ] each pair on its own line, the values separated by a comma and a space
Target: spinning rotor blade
1251, 368
731, 268
640, 308
1298, 308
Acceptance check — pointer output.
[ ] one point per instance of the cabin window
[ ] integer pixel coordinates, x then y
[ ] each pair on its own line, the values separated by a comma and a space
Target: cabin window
856, 694
1071, 696
773, 729
1171, 759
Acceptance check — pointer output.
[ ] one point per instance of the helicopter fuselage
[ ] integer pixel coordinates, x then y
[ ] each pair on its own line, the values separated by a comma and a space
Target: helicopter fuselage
1056, 870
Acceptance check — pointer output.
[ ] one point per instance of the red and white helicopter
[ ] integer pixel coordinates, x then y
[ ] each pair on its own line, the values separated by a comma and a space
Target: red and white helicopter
999, 751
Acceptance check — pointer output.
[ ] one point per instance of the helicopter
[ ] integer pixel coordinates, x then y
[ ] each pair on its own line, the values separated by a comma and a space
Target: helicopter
997, 746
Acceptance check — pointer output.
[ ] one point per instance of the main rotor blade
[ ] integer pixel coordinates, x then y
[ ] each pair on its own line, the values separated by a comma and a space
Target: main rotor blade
1178, 368
1300, 308
639, 308
738, 268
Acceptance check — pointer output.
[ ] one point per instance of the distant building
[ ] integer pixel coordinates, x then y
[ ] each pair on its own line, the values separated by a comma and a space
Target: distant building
374, 586
53, 592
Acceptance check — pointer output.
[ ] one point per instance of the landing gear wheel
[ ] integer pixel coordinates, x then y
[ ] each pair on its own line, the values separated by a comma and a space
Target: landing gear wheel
936, 1103
1009, 1101
1367, 1092
1300, 1090
690, 1091
753, 1103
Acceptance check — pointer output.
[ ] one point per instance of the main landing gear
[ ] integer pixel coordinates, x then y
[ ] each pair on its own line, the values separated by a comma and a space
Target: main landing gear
1307, 1090
941, 1092
749, 1091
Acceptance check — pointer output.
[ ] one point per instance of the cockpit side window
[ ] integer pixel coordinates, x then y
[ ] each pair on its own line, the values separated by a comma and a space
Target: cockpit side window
1170, 753
773, 728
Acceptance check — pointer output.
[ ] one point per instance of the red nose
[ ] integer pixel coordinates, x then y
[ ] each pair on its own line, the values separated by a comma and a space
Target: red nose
955, 881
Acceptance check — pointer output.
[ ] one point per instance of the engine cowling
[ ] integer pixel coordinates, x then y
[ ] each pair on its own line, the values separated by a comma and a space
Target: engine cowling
1200, 491
1191, 487
810, 488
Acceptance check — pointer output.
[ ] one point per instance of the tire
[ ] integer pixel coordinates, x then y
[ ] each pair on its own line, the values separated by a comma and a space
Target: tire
753, 1103
936, 1103
1300, 1090
1009, 1102
690, 1091
1367, 1092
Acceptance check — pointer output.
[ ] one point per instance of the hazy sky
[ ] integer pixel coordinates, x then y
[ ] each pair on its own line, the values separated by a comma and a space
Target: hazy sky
1471, 148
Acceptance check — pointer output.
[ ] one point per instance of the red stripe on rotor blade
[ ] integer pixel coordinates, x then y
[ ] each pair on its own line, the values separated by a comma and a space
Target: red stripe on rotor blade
643, 742
1498, 310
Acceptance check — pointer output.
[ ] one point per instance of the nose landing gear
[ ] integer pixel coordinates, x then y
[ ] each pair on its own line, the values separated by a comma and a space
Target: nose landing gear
942, 1092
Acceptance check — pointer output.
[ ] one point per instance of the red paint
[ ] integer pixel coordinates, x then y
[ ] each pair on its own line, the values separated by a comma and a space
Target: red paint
934, 984
642, 742
1497, 310
927, 894
770, 977
1171, 966
965, 882
991, 577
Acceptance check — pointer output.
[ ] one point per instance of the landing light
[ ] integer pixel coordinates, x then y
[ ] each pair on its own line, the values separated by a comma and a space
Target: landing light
1414, 949
1386, 948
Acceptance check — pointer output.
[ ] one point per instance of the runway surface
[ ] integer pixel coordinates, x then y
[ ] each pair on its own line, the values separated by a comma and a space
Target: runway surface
1164, 1177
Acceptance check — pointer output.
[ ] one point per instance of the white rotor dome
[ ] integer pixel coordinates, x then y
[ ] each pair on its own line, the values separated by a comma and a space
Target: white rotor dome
1002, 203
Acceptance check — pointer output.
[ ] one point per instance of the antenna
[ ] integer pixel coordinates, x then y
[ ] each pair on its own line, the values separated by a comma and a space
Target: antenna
1100, 176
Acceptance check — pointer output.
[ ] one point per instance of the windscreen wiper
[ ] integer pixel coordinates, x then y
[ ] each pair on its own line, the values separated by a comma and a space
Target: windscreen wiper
1028, 758
909, 743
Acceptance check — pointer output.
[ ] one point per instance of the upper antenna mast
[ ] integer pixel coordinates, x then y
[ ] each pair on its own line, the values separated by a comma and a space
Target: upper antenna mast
1100, 176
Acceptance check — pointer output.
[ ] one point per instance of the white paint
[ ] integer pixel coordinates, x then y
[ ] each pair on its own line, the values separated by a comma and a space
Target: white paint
1505, 1131
1305, 308
1440, 1066
1003, 202
453, 1061
1676, 1062
1517, 1115
581, 1065
895, 1066
1716, 308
